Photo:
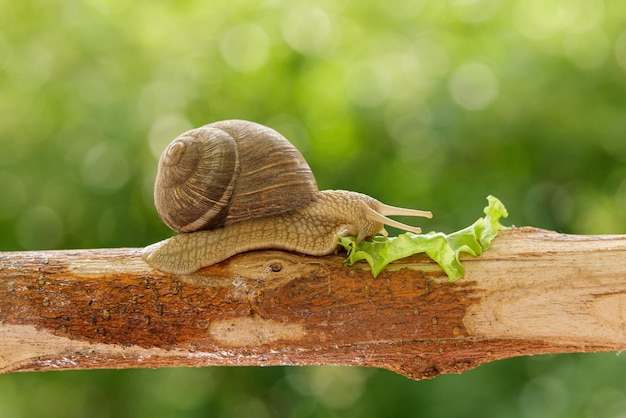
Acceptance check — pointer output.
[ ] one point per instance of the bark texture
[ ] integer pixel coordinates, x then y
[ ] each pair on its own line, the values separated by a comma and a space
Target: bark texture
533, 292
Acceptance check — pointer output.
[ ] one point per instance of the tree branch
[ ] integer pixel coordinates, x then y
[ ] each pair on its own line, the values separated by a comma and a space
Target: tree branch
533, 292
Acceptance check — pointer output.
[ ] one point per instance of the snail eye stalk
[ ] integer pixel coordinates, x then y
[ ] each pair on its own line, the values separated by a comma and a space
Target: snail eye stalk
392, 210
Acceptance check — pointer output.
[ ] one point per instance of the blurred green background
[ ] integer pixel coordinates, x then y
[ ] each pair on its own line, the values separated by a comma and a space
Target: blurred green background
424, 104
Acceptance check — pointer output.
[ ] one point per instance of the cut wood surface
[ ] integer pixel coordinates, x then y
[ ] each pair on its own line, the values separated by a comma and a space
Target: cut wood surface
533, 292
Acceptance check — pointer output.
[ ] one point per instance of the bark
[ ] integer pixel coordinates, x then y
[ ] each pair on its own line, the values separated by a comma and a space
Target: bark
533, 292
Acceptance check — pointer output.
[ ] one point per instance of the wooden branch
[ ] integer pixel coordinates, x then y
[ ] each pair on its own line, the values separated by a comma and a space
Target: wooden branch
533, 292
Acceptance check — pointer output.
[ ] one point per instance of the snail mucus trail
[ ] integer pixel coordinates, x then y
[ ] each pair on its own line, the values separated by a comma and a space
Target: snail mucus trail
236, 186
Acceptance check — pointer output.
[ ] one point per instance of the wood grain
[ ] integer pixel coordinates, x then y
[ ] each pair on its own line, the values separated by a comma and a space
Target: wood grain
533, 292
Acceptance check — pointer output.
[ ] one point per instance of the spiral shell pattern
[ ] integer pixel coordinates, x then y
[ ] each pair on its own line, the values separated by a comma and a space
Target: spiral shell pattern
228, 172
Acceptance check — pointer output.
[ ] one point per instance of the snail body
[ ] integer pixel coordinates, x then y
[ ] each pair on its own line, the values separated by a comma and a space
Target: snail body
251, 191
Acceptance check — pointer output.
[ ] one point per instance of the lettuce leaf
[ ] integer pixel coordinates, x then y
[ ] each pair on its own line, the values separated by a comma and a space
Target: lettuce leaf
442, 248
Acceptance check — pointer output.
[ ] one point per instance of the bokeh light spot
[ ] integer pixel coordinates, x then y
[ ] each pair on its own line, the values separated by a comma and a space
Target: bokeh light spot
606, 402
32, 68
537, 19
403, 9
598, 214
181, 390
5, 51
620, 50
368, 84
107, 226
291, 128
13, 194
474, 11
544, 397
473, 86
620, 198
433, 58
587, 50
248, 406
105, 168
335, 387
39, 228
306, 28
109, 6
164, 130
245, 47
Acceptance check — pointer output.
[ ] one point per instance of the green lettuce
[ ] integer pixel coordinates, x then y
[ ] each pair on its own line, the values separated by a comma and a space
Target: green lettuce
445, 249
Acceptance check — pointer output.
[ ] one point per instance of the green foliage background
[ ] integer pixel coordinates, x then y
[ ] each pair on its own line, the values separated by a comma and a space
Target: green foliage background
425, 104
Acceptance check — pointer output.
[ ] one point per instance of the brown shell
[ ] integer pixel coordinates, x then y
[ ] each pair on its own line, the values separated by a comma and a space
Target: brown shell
228, 172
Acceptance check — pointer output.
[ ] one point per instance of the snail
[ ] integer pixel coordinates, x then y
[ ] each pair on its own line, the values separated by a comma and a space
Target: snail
235, 186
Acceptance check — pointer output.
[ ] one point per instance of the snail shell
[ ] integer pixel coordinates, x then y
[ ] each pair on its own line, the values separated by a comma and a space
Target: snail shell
228, 172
